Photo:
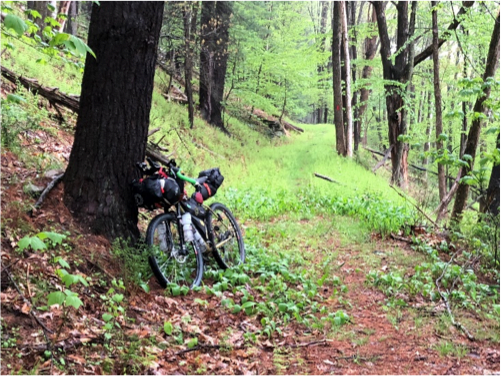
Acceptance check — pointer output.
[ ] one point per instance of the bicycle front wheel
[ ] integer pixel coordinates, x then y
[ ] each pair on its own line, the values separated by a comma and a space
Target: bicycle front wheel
168, 261
225, 236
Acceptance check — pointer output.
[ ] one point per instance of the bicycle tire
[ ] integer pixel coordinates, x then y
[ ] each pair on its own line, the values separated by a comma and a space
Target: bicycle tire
167, 265
230, 253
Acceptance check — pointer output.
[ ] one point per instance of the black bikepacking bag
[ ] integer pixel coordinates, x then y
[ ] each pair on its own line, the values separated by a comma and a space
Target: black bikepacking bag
213, 182
152, 191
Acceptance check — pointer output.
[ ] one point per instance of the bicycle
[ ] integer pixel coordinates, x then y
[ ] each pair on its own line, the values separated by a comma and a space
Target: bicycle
186, 226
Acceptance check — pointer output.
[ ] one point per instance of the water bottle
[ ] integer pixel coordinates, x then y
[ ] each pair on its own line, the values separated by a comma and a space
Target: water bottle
199, 240
187, 228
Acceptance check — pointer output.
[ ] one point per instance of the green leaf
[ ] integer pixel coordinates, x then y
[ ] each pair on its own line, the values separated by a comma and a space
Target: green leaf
15, 23
63, 263
77, 46
117, 298
69, 279
282, 307
176, 290
24, 243
442, 137
168, 328
144, 286
56, 297
236, 308
34, 13
192, 343
37, 244
59, 39
73, 301
107, 317
14, 98
53, 236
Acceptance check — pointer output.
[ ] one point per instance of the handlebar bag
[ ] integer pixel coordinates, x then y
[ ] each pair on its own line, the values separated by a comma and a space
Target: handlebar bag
213, 182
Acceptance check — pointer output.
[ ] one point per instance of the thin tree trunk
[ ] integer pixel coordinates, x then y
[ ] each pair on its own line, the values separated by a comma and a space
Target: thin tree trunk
403, 147
64, 7
336, 78
190, 17
442, 186
347, 67
71, 26
370, 52
474, 133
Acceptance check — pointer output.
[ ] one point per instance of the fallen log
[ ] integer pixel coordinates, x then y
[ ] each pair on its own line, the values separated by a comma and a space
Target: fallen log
53, 95
274, 122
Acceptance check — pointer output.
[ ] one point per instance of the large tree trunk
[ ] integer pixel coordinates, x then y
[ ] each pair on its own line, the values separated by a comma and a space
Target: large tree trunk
474, 133
491, 202
215, 25
336, 79
112, 125
442, 187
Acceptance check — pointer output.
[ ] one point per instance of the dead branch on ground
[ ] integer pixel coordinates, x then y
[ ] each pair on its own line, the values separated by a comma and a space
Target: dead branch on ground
457, 324
417, 207
49, 187
326, 178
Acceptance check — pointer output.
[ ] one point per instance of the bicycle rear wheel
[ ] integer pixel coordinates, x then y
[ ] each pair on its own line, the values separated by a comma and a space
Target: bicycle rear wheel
225, 236
167, 260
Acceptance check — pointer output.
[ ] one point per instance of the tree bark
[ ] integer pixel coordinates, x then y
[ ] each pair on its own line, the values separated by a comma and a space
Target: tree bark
369, 53
442, 186
215, 25
474, 133
336, 79
492, 198
347, 67
112, 126
64, 8
190, 19
71, 26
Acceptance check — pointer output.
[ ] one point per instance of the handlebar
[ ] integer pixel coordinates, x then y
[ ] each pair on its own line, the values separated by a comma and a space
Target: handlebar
156, 167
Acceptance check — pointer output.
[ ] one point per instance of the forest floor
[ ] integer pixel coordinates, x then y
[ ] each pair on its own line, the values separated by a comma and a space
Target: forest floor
376, 341
156, 332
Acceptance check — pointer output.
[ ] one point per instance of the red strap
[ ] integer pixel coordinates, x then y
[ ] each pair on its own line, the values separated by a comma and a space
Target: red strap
162, 173
208, 189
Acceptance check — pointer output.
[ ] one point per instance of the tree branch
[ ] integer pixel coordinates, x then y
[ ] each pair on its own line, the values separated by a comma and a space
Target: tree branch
426, 53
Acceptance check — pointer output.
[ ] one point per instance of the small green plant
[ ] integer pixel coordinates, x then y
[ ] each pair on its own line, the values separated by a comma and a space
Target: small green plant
40, 241
114, 303
446, 348
135, 267
66, 298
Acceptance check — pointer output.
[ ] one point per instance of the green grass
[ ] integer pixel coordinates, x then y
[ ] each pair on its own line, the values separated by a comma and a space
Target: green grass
51, 73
